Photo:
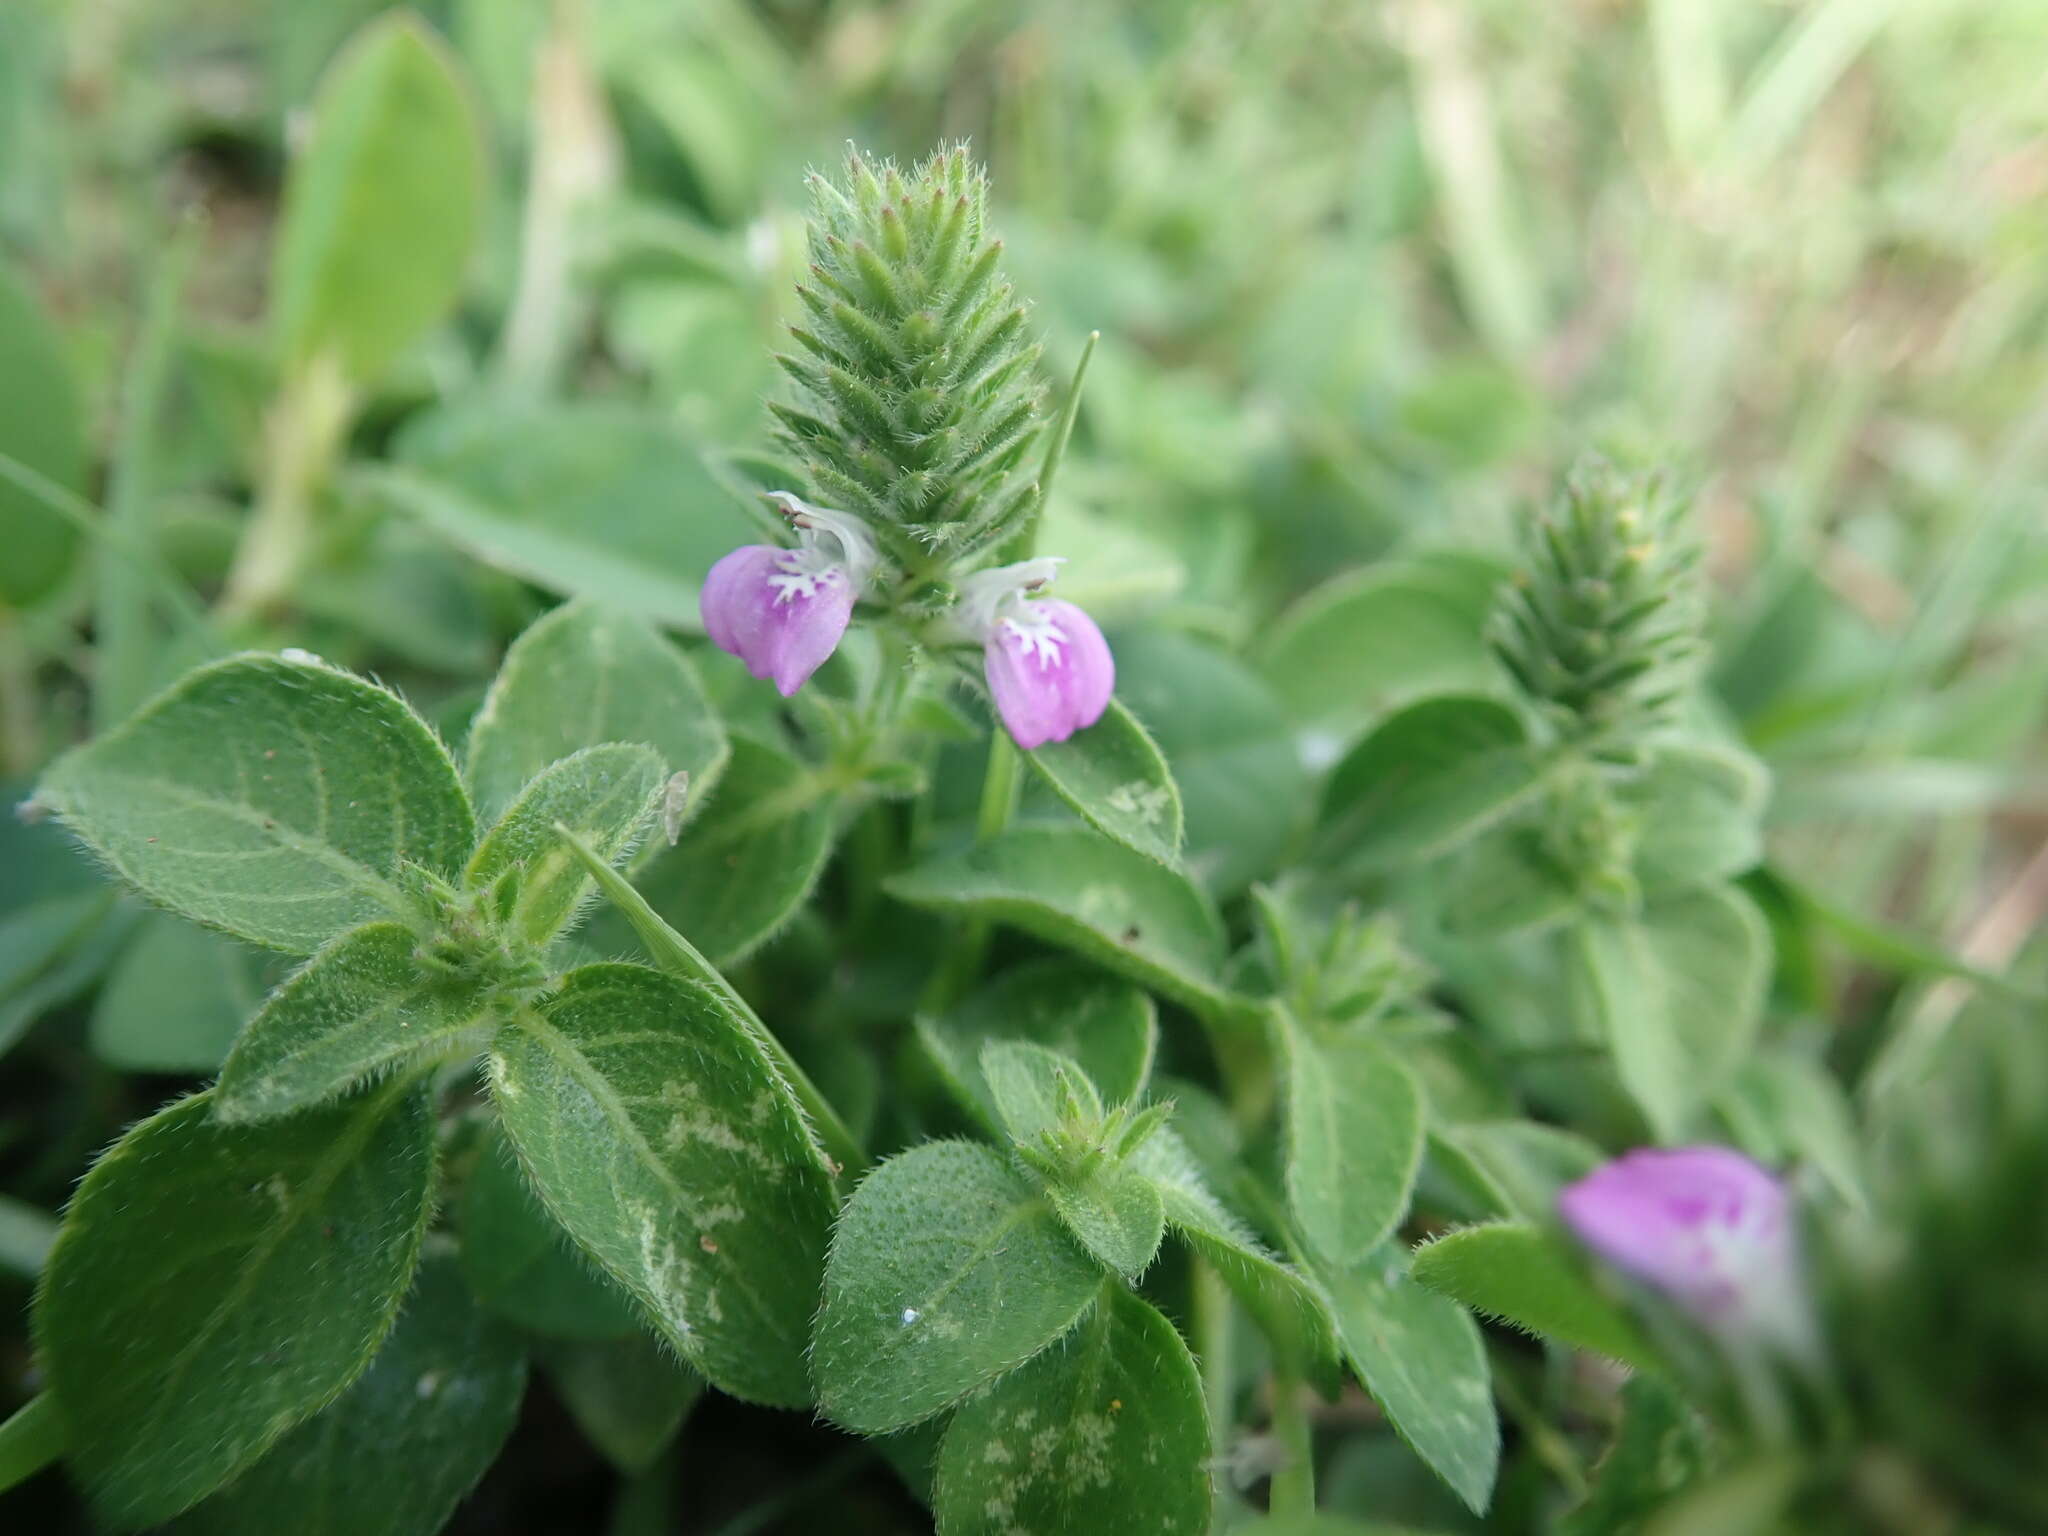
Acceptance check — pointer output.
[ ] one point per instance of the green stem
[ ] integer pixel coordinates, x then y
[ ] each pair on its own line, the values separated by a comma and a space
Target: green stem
961, 963
675, 953
1214, 1314
128, 645
30, 1441
301, 439
1293, 1490
20, 732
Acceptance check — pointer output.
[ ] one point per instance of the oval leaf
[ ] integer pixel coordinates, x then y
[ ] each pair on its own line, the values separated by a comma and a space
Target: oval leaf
275, 797
215, 1284
660, 1137
947, 1270
359, 1008
1421, 1357
396, 1452
1700, 811
382, 208
581, 676
1104, 1431
1354, 1141
1115, 776
1513, 1272
627, 1395
606, 795
1427, 778
749, 861
1109, 1026
1080, 891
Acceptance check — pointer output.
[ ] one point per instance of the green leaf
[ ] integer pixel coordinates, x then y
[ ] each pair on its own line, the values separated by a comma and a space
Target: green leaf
947, 1270
1783, 1107
359, 1008
1227, 741
383, 205
1287, 1304
583, 675
396, 1452
1036, 1090
1104, 1431
1354, 1141
1517, 1273
1115, 776
606, 795
1376, 638
1617, 992
177, 998
1699, 811
1522, 1164
1427, 778
1084, 893
215, 1284
659, 1135
1501, 882
589, 500
750, 860
523, 1266
1109, 1026
1712, 949
1115, 1213
274, 797
1423, 1360
41, 426
628, 1395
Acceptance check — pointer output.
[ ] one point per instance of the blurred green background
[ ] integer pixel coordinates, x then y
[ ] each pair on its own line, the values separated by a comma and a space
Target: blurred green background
1368, 276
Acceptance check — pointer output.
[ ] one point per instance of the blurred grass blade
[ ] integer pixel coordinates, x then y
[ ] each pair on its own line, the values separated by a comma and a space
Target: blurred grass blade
30, 1441
1692, 77
1813, 55
129, 648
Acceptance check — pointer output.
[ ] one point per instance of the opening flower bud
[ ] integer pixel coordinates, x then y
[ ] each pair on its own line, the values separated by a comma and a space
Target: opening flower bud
783, 611
1048, 668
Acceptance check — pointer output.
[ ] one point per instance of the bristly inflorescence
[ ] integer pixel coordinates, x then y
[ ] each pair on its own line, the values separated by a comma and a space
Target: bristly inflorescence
1603, 624
917, 393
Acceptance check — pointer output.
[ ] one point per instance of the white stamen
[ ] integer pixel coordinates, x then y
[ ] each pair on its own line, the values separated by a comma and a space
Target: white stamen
1041, 637
800, 573
988, 598
856, 545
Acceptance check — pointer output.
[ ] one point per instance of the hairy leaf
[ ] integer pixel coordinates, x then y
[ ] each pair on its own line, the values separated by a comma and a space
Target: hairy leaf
215, 1284
607, 795
583, 675
396, 1452
1078, 890
523, 1266
660, 1136
948, 1268
1104, 1431
1511, 1270
1354, 1141
275, 797
1115, 776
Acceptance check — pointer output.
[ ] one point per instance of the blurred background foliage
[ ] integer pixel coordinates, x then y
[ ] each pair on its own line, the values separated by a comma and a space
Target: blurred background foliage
1367, 276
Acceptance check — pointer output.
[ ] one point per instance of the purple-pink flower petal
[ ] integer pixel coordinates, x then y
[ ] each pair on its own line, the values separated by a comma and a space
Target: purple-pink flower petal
1049, 671
781, 611
1705, 1225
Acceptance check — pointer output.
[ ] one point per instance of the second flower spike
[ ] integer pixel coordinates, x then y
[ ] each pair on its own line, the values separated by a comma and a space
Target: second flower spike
783, 611
1048, 668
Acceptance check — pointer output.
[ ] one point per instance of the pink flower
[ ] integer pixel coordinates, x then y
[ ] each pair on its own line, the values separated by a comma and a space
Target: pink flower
1705, 1225
782, 611
1049, 669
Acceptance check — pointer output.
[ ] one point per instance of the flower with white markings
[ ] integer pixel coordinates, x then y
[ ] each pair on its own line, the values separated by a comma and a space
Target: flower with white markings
783, 611
1048, 668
